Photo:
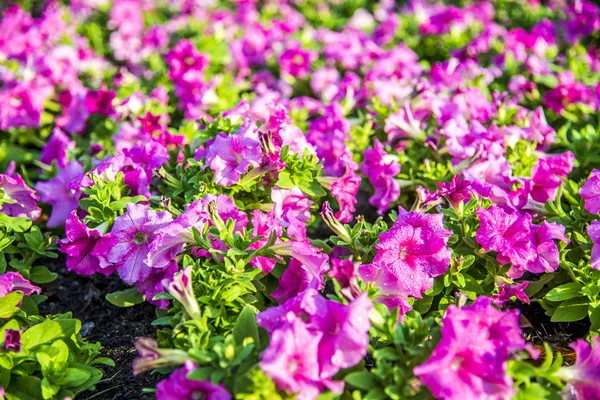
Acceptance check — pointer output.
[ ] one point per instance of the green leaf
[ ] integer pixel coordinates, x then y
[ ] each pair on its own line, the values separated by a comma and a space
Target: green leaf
125, 298
17, 224
42, 275
245, 327
571, 310
75, 377
564, 292
9, 303
49, 330
361, 380
595, 317
24, 388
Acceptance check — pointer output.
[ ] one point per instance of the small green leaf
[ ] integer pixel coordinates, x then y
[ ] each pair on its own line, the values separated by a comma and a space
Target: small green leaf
42, 275
571, 310
564, 292
9, 303
245, 327
75, 377
361, 380
125, 298
50, 330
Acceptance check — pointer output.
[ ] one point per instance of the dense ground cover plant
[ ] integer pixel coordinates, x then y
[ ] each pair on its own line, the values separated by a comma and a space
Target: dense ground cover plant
212, 157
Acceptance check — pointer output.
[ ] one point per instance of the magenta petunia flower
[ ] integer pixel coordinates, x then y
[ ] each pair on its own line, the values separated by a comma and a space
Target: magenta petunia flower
178, 387
312, 258
380, 169
507, 234
134, 231
296, 61
339, 332
13, 281
230, 156
12, 340
507, 291
100, 101
86, 249
344, 189
593, 231
290, 360
57, 149
262, 225
295, 279
19, 200
62, 193
542, 238
456, 191
474, 368
409, 256
584, 376
590, 191
547, 174
290, 203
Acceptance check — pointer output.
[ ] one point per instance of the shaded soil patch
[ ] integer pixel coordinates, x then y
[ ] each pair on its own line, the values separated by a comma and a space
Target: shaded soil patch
116, 328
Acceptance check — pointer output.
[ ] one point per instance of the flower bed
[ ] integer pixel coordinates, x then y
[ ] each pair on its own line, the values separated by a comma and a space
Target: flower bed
303, 200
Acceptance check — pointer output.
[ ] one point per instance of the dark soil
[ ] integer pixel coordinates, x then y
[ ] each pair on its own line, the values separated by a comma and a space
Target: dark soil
116, 328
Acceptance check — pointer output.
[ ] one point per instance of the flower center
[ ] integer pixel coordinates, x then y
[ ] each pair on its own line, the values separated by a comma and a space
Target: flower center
140, 238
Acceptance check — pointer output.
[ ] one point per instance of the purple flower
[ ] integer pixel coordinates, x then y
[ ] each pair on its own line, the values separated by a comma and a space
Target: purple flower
565, 94
134, 230
12, 340
380, 169
62, 193
86, 249
547, 173
262, 225
409, 256
590, 191
295, 279
13, 281
539, 130
57, 149
178, 387
181, 288
18, 200
150, 356
584, 376
230, 156
507, 234
593, 231
473, 368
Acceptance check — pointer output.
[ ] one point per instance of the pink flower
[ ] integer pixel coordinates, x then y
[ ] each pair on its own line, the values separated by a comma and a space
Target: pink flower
584, 376
473, 368
542, 238
262, 225
284, 132
134, 231
57, 149
178, 387
590, 191
18, 200
565, 94
312, 258
507, 234
409, 256
230, 156
100, 101
380, 170
86, 249
13, 281
593, 231
62, 193
336, 337
290, 202
507, 291
295, 279
344, 189
290, 360
547, 173
296, 61
456, 191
